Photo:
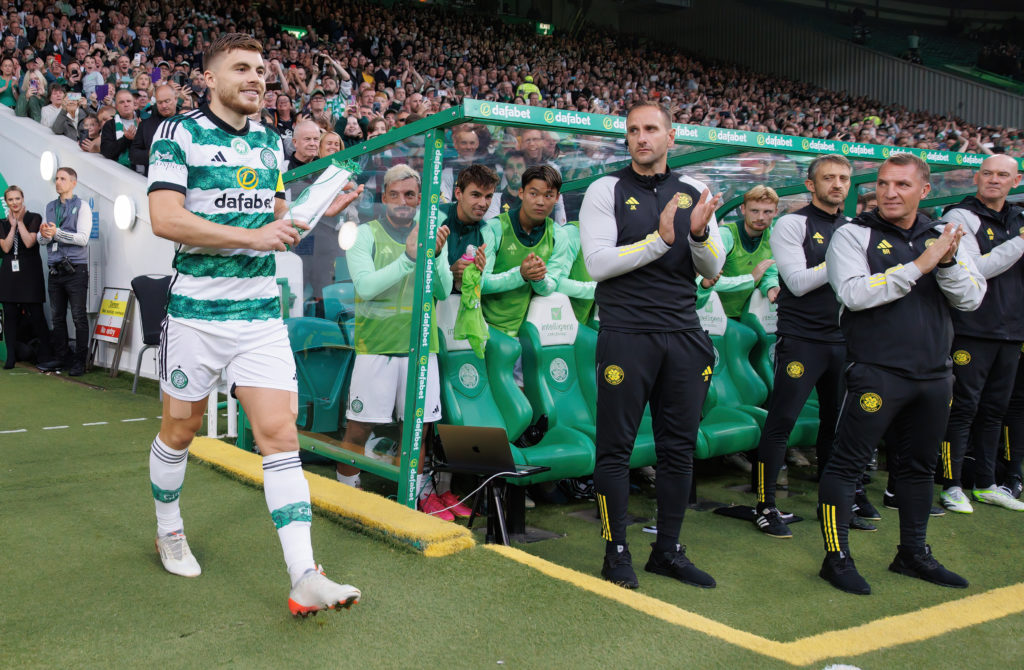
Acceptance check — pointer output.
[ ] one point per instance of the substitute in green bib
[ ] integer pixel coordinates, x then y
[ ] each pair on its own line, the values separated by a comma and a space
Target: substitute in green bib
578, 284
382, 264
527, 252
748, 264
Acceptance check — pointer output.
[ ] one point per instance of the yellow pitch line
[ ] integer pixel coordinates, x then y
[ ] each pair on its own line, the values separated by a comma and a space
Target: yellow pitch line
648, 605
891, 631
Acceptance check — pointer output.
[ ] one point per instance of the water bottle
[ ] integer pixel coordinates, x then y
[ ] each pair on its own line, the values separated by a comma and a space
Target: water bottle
470, 253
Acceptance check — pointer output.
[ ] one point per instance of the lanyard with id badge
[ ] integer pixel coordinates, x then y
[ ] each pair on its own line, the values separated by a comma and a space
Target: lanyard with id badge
15, 264
60, 221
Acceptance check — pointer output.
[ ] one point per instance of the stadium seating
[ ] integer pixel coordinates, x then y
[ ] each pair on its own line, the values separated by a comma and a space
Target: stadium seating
477, 392
323, 366
339, 306
759, 319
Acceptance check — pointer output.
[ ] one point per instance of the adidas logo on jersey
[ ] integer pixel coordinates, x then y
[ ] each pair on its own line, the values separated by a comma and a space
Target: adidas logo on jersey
884, 247
818, 237
632, 202
219, 158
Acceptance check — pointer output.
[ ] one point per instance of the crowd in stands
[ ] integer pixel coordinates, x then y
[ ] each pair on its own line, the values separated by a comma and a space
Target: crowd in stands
360, 69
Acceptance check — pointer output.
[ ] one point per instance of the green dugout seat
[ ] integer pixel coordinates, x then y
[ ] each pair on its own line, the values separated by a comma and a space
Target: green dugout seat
340, 305
483, 392
732, 418
323, 368
761, 318
560, 372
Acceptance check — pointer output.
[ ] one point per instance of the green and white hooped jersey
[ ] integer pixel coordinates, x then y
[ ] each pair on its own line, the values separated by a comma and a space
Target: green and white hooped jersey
231, 177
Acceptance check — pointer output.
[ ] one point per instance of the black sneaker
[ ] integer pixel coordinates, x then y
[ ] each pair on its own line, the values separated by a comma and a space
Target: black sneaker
675, 564
863, 508
618, 568
49, 366
838, 570
924, 566
769, 521
77, 370
890, 501
857, 523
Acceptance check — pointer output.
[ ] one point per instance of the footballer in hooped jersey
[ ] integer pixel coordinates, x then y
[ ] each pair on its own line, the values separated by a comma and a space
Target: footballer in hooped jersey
215, 188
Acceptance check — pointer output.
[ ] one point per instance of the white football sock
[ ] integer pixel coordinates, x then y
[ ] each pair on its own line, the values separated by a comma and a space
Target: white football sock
287, 496
166, 476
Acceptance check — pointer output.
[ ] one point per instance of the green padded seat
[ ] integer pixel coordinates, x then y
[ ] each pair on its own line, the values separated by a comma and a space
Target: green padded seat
340, 306
586, 365
477, 392
760, 318
323, 367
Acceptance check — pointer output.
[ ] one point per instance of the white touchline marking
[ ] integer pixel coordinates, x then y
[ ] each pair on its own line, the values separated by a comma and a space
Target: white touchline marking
19, 430
53, 427
95, 423
130, 420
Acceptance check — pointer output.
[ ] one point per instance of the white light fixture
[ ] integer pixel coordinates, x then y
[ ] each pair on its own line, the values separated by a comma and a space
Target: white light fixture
347, 235
49, 161
124, 212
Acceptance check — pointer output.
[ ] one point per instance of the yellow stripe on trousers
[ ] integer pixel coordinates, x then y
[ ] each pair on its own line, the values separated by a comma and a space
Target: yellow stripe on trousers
602, 506
1006, 441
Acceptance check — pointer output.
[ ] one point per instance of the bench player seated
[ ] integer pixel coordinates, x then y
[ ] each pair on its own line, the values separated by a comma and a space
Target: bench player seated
527, 252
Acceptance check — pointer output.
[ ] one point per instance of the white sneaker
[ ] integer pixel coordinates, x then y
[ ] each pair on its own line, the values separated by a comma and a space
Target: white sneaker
314, 592
955, 500
176, 556
998, 497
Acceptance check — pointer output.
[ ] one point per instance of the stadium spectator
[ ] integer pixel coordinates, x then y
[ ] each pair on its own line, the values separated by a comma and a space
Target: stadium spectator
166, 107
283, 121
22, 290
89, 134
47, 115
69, 119
330, 143
65, 232
513, 167
307, 144
118, 132
8, 83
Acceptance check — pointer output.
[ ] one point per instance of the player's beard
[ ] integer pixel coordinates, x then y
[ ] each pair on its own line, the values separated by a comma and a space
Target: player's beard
236, 103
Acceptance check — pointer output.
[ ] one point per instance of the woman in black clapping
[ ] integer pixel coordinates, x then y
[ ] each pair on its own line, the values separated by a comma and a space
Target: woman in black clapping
21, 277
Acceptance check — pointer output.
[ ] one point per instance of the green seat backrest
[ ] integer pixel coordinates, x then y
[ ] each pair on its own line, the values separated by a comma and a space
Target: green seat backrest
735, 382
551, 374
762, 356
340, 306
474, 391
323, 368
341, 273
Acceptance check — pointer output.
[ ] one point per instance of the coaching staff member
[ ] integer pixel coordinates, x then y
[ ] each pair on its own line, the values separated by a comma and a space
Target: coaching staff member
896, 273
646, 233
987, 343
810, 352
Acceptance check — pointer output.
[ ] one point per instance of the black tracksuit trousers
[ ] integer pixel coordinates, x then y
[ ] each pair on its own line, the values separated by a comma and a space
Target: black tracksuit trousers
672, 371
912, 413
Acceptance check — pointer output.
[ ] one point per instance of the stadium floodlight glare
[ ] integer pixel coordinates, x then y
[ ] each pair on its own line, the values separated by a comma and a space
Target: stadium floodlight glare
49, 161
124, 212
347, 235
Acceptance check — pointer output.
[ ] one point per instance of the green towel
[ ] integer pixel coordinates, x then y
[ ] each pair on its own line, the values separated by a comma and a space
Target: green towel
470, 324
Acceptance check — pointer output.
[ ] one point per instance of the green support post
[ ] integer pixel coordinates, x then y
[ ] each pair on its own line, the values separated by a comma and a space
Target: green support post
422, 316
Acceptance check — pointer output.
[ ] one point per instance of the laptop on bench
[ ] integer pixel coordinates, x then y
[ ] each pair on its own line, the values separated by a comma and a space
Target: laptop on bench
480, 450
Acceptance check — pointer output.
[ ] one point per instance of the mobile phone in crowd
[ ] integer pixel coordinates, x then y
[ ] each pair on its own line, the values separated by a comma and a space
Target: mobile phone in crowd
74, 97
137, 60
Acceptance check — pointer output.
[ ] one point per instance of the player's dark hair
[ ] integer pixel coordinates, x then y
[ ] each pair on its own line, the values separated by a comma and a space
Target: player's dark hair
910, 159
515, 153
544, 173
812, 169
666, 117
69, 172
481, 175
